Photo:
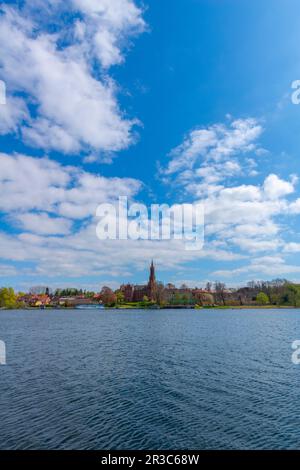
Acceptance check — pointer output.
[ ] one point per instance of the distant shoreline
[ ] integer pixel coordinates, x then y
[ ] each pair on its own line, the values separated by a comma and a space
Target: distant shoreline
217, 307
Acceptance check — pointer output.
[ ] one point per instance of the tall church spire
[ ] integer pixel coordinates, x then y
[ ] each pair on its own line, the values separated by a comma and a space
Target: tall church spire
152, 273
152, 282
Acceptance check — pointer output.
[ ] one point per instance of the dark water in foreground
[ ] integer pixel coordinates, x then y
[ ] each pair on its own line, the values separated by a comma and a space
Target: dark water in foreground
150, 380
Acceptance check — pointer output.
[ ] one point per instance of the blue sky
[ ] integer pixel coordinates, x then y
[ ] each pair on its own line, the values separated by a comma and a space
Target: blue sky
170, 102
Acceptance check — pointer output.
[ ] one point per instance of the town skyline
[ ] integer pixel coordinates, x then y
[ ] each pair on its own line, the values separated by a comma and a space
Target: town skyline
278, 292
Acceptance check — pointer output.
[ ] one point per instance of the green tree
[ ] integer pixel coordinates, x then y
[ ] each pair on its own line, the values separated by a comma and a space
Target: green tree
120, 296
293, 294
262, 298
87, 294
159, 292
8, 298
177, 299
205, 299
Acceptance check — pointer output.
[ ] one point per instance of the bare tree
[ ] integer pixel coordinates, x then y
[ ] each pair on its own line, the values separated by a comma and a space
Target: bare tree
220, 288
208, 286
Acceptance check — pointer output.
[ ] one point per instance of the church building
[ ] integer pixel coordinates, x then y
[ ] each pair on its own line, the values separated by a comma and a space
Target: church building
136, 293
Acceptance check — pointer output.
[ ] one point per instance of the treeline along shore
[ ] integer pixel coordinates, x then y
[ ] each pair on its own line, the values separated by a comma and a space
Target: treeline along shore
279, 293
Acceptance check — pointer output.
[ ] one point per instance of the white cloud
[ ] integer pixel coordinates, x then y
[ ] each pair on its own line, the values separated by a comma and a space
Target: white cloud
241, 217
267, 228
41, 223
42, 196
28, 183
294, 207
7, 270
255, 244
263, 266
83, 254
74, 110
274, 187
292, 247
12, 114
241, 205
212, 153
105, 25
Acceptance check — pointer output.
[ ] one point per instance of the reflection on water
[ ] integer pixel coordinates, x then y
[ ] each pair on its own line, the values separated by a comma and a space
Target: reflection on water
149, 380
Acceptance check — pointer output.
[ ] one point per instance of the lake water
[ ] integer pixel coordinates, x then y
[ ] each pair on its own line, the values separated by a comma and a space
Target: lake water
170, 379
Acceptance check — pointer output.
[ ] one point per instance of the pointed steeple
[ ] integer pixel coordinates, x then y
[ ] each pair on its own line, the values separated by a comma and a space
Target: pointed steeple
152, 273
152, 282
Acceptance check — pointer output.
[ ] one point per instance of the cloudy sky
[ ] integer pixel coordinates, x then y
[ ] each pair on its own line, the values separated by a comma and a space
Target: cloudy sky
173, 101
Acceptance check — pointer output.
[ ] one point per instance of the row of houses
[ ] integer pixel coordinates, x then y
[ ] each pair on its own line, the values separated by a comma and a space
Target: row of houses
47, 300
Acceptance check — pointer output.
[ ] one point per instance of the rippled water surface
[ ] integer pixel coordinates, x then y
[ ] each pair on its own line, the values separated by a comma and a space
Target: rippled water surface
168, 379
